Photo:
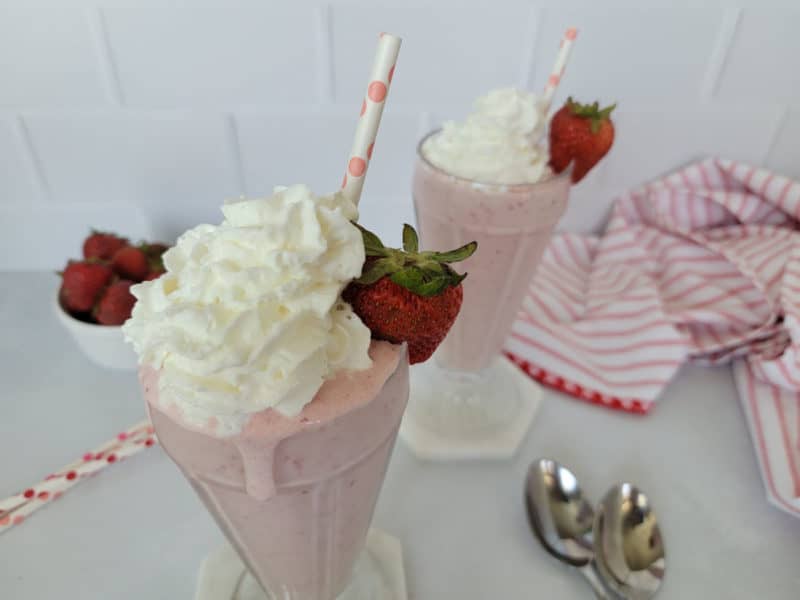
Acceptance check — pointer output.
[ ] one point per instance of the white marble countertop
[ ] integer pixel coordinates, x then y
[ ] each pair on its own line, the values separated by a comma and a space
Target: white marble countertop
137, 531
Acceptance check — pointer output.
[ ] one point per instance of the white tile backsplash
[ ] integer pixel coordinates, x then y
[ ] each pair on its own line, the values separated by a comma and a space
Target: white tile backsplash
393, 158
293, 147
784, 155
657, 139
297, 147
64, 227
47, 58
231, 54
17, 183
761, 66
146, 115
654, 54
448, 56
385, 215
178, 167
651, 142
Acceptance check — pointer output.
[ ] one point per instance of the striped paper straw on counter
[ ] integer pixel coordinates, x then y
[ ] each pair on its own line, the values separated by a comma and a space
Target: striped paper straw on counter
17, 508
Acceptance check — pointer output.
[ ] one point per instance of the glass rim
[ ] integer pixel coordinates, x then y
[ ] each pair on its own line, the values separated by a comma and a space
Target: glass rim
565, 174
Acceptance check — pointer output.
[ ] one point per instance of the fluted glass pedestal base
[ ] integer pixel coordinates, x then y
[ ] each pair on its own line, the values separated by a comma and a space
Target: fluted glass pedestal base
378, 574
453, 415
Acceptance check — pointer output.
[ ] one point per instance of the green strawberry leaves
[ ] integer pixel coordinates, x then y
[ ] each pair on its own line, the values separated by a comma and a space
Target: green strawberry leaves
593, 112
456, 255
373, 246
408, 277
423, 273
376, 270
424, 282
410, 239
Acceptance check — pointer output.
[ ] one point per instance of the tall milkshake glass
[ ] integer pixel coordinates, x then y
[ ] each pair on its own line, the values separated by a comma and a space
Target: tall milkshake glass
470, 391
486, 178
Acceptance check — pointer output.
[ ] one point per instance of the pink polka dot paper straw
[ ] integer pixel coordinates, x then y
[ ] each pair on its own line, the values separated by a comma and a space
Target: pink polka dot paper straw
16, 509
370, 117
558, 69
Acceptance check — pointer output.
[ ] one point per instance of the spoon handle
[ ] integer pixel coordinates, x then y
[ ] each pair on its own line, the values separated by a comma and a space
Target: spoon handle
589, 571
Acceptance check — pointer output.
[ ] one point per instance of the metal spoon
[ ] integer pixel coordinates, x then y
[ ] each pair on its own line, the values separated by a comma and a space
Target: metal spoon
629, 550
562, 518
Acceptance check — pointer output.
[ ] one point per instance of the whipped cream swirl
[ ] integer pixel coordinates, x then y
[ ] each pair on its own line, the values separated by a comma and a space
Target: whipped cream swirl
248, 315
497, 143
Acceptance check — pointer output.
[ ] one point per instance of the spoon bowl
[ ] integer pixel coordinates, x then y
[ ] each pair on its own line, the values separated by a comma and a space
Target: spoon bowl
558, 513
629, 549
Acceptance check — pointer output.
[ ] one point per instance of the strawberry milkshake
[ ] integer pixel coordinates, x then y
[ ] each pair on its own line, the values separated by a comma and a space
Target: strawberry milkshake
492, 179
486, 178
266, 389
277, 402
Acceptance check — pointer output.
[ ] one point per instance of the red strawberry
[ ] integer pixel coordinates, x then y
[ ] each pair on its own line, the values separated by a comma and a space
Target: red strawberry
154, 275
407, 295
130, 263
580, 133
102, 245
116, 304
81, 284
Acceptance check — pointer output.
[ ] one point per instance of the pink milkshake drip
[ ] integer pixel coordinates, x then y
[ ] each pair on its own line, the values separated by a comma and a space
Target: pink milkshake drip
259, 479
512, 224
295, 495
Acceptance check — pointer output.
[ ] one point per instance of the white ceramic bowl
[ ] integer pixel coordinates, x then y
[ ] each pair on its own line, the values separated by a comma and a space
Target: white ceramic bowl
103, 344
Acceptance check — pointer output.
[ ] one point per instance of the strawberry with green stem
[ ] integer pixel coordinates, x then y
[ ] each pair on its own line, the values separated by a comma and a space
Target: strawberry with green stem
581, 134
408, 295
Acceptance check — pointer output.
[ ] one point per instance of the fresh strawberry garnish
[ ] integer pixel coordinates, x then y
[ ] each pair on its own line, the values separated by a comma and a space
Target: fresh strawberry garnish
407, 295
581, 134
81, 284
130, 263
116, 303
102, 246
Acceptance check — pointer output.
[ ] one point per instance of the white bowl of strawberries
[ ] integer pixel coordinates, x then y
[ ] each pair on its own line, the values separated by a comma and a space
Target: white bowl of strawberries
94, 299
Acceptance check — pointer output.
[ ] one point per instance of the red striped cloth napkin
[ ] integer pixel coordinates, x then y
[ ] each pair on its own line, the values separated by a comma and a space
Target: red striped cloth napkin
700, 266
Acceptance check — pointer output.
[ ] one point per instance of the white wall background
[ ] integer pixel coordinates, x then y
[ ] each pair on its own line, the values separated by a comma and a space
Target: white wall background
142, 116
